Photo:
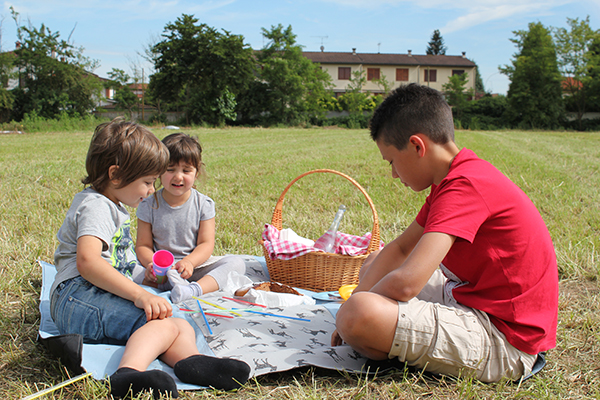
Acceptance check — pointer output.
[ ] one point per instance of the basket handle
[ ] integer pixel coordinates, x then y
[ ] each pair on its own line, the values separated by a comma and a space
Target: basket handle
277, 220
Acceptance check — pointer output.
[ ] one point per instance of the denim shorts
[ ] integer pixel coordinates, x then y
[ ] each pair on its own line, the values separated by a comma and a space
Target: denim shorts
99, 316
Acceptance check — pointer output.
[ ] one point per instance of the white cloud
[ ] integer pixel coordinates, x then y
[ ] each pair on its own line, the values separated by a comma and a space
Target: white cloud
481, 15
132, 9
474, 12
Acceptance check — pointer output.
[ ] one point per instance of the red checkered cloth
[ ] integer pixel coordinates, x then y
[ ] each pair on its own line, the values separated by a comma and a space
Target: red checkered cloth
345, 244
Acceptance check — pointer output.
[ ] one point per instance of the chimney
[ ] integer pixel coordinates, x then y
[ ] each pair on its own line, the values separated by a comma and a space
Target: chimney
464, 54
17, 45
354, 51
322, 48
410, 53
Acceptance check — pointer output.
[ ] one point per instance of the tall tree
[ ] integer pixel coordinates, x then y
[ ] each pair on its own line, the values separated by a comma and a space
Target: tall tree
289, 85
53, 75
200, 70
124, 97
479, 88
436, 44
574, 59
6, 97
534, 94
456, 93
594, 73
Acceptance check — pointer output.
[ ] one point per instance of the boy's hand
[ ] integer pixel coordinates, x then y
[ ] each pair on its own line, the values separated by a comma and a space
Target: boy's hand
185, 268
155, 307
336, 339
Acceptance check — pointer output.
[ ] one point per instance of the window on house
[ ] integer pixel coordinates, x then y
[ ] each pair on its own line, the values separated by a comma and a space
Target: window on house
430, 75
372, 74
402, 74
344, 73
458, 72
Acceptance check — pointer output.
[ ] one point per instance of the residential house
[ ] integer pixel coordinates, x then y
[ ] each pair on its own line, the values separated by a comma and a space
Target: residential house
398, 69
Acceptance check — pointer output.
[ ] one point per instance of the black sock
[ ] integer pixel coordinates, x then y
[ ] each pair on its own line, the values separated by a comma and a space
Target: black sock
127, 379
219, 373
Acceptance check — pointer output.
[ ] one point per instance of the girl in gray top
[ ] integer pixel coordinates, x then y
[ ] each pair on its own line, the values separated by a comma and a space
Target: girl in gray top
180, 219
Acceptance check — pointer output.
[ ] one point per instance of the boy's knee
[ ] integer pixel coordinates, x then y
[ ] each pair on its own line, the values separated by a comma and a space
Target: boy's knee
352, 316
182, 325
175, 326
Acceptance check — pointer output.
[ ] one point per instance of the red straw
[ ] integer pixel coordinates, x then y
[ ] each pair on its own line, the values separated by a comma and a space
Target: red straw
244, 301
218, 315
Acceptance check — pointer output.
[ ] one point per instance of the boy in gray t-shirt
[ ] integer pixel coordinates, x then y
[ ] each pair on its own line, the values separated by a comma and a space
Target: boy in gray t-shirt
92, 213
95, 294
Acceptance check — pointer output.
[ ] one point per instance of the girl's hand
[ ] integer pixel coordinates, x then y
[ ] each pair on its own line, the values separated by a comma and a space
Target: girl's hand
155, 307
149, 275
185, 268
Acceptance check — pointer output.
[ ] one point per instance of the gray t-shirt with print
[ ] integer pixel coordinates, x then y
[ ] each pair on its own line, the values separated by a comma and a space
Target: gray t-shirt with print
93, 214
176, 228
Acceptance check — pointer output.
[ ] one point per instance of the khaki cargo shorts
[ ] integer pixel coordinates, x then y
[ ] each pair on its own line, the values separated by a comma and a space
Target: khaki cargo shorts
437, 334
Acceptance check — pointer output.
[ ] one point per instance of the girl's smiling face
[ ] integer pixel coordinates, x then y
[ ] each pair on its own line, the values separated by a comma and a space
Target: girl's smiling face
179, 178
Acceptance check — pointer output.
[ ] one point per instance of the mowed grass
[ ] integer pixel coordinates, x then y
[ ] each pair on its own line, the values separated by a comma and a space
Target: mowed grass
246, 171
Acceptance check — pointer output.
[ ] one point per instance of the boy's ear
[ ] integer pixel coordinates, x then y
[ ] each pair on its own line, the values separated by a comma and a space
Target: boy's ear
112, 171
418, 143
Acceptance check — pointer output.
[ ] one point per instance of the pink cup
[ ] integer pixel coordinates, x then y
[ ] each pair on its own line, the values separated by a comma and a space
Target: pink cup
162, 261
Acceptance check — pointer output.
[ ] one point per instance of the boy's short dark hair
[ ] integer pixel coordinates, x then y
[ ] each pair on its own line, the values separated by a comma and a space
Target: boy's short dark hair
412, 109
131, 147
184, 148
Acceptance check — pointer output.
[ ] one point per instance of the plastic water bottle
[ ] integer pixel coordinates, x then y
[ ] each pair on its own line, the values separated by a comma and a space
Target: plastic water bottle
327, 241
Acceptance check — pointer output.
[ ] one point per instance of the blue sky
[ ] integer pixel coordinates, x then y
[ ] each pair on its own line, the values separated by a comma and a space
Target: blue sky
114, 32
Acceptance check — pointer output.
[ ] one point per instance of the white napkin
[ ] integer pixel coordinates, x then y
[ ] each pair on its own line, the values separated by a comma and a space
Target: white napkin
274, 299
291, 236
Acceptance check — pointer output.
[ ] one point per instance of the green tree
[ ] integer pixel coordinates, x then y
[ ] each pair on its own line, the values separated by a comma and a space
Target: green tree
124, 97
436, 44
384, 84
456, 93
534, 94
355, 100
6, 97
291, 86
200, 70
53, 77
479, 88
573, 48
594, 73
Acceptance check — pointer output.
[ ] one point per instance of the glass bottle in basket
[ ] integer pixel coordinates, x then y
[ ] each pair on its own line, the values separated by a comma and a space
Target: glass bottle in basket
327, 241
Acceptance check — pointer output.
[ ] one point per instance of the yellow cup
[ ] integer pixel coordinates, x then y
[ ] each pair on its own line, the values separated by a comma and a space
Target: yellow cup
346, 290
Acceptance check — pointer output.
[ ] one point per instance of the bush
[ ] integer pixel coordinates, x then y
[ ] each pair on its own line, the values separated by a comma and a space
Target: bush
64, 123
352, 121
586, 125
486, 113
158, 118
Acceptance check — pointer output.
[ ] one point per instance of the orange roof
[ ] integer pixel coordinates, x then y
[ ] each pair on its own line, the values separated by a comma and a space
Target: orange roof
571, 83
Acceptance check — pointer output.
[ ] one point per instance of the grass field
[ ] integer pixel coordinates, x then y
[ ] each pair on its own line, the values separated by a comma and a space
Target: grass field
247, 169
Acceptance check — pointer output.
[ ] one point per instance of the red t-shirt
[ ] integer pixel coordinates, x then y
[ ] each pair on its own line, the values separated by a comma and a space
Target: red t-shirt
503, 257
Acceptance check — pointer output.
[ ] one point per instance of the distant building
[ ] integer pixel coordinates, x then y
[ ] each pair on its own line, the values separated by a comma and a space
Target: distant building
570, 86
398, 69
138, 88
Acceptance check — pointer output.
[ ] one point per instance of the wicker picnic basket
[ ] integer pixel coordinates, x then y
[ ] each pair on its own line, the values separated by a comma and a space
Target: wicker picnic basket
319, 271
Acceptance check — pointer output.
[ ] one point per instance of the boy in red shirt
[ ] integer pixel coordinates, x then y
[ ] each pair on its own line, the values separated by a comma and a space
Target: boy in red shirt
471, 286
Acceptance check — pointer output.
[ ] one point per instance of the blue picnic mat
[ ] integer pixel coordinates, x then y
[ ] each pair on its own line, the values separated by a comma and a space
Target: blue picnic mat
102, 360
